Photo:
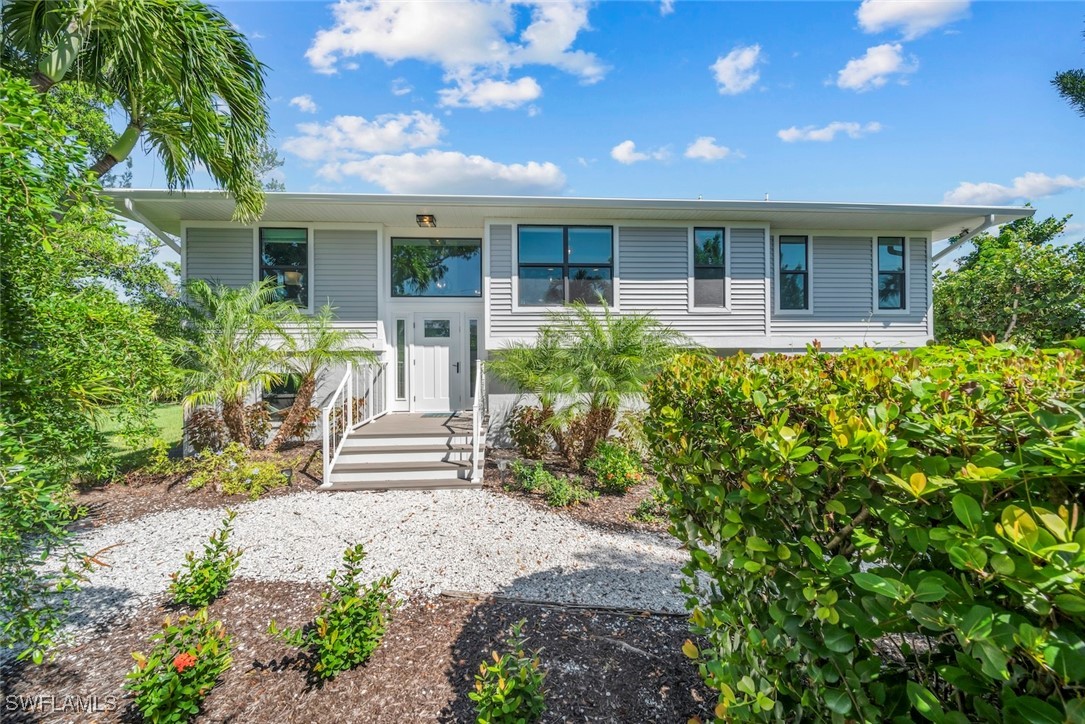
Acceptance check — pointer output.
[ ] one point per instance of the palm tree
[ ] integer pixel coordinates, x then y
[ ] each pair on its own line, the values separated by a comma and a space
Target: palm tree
232, 349
534, 368
312, 346
186, 78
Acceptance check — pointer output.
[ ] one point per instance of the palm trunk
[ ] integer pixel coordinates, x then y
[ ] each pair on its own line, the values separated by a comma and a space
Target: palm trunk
303, 400
119, 151
54, 66
233, 414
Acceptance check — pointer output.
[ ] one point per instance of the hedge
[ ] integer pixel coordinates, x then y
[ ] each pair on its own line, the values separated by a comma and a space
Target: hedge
880, 535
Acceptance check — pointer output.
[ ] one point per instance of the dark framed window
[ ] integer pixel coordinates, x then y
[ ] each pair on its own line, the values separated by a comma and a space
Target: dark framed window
892, 278
564, 264
709, 267
436, 267
280, 395
794, 266
284, 258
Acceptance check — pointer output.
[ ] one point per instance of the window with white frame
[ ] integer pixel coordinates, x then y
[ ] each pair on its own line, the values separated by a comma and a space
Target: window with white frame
793, 272
564, 264
284, 259
709, 268
892, 277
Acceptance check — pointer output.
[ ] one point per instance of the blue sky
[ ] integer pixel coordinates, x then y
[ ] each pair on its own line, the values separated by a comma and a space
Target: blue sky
920, 101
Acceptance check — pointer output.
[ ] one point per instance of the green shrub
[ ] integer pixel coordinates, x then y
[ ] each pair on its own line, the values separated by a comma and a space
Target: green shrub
236, 472
558, 492
185, 663
510, 690
350, 622
631, 431
879, 535
653, 507
531, 477
205, 578
616, 467
528, 432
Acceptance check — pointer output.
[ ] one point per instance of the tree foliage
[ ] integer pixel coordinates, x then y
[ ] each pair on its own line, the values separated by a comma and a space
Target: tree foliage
1071, 86
1016, 286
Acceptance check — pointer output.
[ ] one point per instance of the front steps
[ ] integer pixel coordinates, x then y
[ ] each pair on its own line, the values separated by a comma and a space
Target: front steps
407, 452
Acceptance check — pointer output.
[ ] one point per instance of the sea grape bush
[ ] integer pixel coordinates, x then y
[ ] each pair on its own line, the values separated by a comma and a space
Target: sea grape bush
184, 664
204, 578
350, 622
882, 535
509, 689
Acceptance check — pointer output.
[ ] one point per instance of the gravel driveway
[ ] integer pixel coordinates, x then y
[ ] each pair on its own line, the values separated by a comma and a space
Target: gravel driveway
468, 540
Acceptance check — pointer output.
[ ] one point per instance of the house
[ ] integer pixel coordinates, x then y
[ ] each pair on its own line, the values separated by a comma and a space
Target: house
435, 283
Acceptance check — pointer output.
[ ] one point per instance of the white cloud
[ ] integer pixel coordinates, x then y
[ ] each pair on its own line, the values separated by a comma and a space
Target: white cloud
350, 136
705, 148
1028, 187
875, 67
400, 87
475, 42
626, 153
737, 71
913, 17
304, 103
666, 7
452, 172
828, 133
489, 94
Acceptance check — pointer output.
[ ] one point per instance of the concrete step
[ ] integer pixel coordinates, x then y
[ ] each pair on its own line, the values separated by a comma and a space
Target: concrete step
404, 454
373, 472
402, 485
357, 441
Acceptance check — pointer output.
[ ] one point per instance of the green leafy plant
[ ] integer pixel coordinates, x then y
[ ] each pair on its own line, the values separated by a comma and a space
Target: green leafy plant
558, 492
184, 664
204, 578
527, 430
878, 535
510, 689
236, 472
616, 467
653, 508
350, 622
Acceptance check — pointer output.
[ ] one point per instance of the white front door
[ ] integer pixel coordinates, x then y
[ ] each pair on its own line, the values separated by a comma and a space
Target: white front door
438, 377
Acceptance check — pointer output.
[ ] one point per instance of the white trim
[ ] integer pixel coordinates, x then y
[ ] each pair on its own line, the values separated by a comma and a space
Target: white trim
184, 255
930, 288
487, 302
514, 274
906, 291
767, 237
691, 308
774, 261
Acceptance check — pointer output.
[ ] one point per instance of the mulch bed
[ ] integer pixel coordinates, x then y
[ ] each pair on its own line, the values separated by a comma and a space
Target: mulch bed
140, 493
602, 666
608, 511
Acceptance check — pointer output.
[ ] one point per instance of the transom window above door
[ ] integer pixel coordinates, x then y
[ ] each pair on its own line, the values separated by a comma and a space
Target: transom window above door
436, 267
564, 264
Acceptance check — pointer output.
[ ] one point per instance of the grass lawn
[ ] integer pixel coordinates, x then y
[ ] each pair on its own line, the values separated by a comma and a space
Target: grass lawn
168, 420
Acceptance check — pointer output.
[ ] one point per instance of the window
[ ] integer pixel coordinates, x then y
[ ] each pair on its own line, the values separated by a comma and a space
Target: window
437, 329
280, 396
284, 258
709, 268
891, 274
472, 351
563, 264
794, 270
401, 359
436, 268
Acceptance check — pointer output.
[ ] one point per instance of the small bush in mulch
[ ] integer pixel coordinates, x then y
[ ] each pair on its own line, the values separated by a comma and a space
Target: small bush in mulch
509, 690
350, 622
184, 664
205, 578
652, 508
236, 471
558, 492
616, 468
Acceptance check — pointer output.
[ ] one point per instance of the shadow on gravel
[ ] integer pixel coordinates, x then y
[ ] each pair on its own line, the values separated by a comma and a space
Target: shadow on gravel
602, 666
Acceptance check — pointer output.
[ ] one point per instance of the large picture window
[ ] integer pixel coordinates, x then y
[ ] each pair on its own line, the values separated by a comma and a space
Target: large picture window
436, 267
284, 258
794, 261
892, 293
709, 268
564, 264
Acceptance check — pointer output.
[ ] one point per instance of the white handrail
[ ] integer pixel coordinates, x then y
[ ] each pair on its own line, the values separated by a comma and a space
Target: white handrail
476, 422
338, 416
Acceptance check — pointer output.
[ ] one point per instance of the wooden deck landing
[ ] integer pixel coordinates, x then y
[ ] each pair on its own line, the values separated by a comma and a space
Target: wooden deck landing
418, 423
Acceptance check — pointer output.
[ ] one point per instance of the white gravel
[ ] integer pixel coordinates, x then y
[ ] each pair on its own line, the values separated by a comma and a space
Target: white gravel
466, 540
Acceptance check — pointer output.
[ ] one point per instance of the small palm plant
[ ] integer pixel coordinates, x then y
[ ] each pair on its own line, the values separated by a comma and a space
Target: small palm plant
313, 346
230, 352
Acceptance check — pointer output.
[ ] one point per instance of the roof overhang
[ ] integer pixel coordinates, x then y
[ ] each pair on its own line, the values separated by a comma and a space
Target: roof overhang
167, 210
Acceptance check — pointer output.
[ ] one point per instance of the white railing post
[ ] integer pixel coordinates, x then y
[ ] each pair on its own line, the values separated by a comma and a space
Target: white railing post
325, 415
476, 424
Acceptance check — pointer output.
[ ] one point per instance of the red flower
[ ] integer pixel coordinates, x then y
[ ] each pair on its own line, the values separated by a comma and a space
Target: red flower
183, 661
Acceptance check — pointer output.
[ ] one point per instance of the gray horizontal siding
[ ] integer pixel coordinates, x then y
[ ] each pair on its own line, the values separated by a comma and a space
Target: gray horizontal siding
842, 279
225, 256
346, 273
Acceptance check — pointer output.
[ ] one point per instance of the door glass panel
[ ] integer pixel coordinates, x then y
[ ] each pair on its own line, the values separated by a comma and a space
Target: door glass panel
472, 346
401, 359
437, 328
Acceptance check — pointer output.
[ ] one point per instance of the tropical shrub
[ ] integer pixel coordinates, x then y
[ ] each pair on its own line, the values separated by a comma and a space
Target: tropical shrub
350, 622
878, 535
184, 664
530, 477
205, 430
527, 430
204, 578
558, 492
510, 689
616, 467
653, 508
235, 472
631, 432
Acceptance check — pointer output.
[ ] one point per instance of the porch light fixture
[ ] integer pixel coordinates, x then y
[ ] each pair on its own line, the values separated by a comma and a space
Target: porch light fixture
426, 220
